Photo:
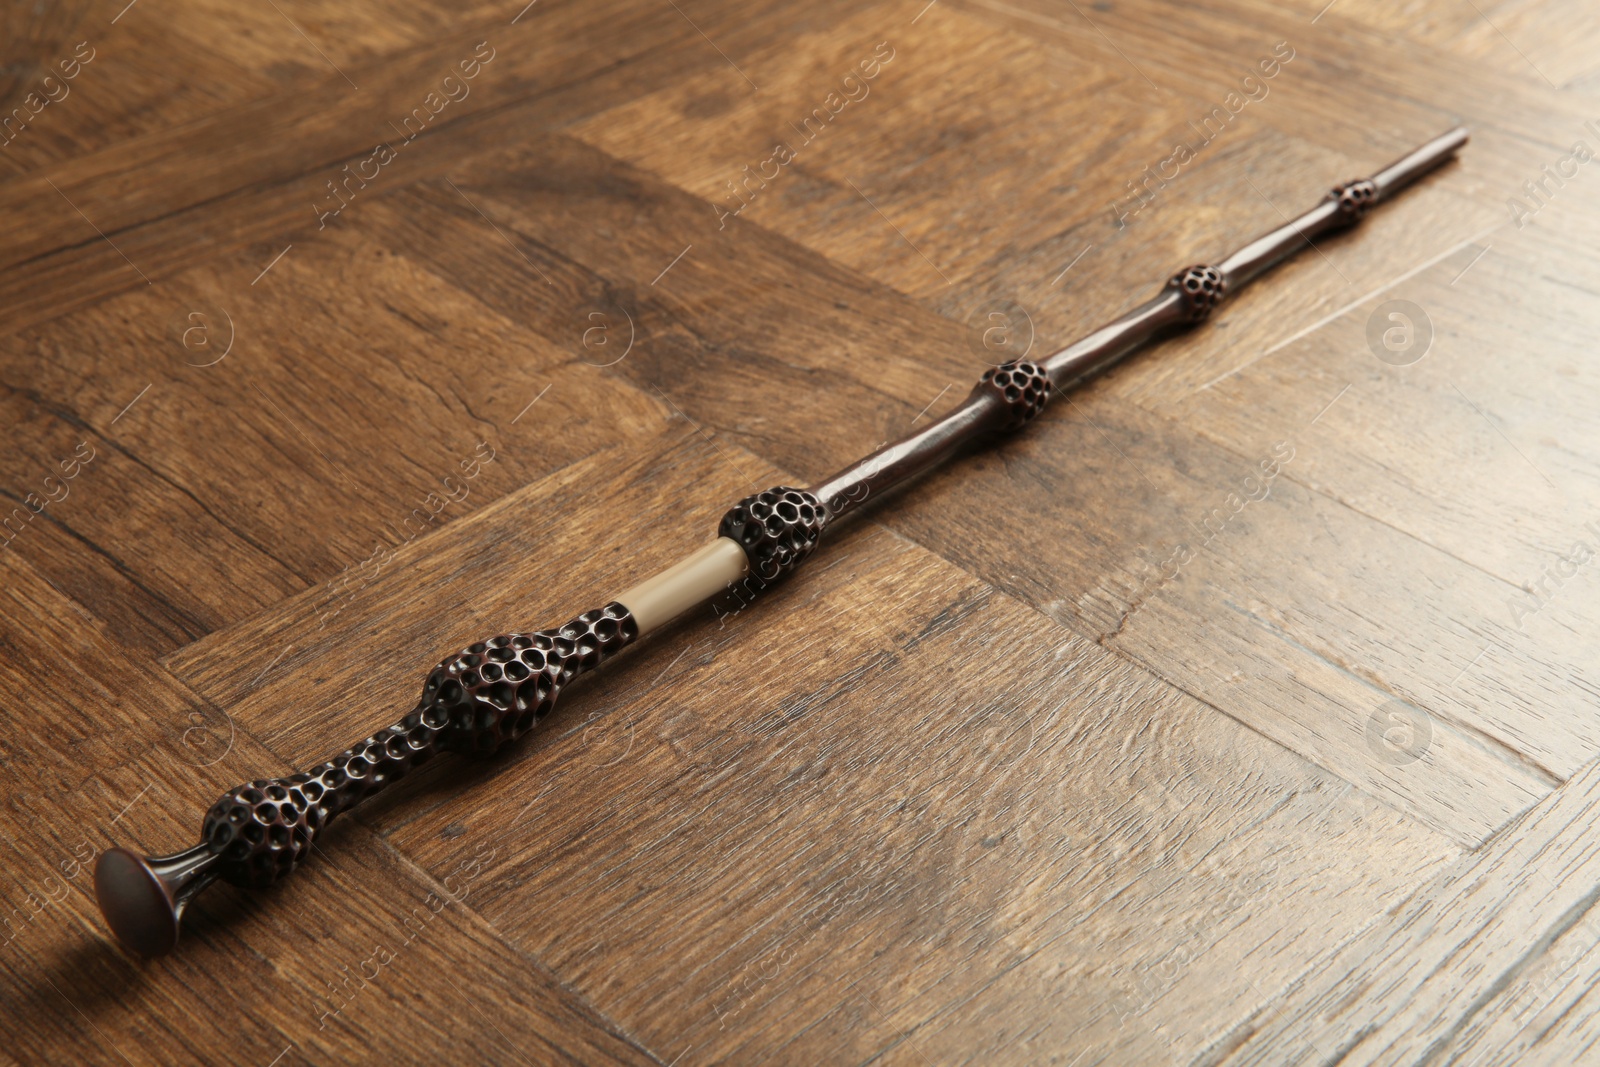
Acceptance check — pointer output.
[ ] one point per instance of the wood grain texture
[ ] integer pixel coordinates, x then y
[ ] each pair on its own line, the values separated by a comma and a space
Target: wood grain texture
1492, 962
1240, 711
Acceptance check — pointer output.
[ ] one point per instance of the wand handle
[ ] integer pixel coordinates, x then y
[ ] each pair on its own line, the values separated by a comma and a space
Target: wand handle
476, 701
490, 693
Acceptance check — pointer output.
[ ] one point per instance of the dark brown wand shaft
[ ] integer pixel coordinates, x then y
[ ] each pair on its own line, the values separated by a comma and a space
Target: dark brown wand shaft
490, 693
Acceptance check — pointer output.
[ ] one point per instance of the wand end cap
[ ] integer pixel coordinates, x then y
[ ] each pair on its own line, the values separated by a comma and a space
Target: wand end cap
143, 898
135, 903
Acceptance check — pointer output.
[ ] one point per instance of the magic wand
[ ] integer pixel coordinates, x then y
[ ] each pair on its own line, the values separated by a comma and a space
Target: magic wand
490, 693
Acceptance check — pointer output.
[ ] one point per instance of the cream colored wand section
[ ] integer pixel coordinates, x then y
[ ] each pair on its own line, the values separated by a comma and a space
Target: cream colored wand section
686, 584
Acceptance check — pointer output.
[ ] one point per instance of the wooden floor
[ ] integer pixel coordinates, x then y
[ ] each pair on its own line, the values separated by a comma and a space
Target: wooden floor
287, 417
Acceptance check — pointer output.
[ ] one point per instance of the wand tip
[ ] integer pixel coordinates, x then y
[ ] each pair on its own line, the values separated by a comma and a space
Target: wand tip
1419, 161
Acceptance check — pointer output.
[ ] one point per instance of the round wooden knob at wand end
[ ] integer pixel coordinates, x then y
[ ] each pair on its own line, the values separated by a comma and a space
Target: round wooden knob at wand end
143, 898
